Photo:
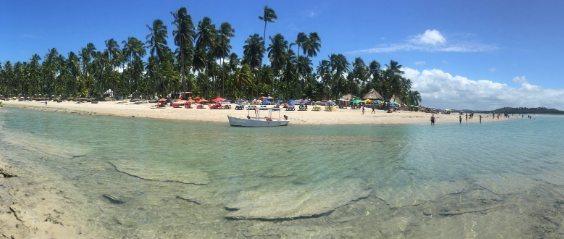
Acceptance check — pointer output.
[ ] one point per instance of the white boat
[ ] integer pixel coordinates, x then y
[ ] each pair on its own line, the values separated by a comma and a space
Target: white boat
258, 121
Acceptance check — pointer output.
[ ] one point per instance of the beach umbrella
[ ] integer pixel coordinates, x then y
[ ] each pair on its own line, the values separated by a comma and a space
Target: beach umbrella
197, 97
190, 101
162, 99
262, 97
378, 101
227, 100
266, 102
304, 102
395, 103
356, 101
367, 100
239, 101
330, 103
291, 102
203, 100
318, 103
278, 101
269, 98
218, 99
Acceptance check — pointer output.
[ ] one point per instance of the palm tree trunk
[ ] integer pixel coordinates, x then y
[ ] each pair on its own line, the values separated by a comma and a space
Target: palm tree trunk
223, 70
183, 71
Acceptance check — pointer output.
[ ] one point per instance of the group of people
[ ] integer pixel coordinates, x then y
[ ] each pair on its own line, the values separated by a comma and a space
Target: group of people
459, 118
373, 109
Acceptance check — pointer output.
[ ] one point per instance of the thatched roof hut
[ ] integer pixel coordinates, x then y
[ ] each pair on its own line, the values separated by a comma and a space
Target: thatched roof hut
349, 97
373, 95
396, 99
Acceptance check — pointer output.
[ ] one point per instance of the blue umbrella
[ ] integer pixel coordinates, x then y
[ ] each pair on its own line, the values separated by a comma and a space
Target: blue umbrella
291, 102
318, 103
278, 101
227, 100
330, 103
304, 102
266, 101
378, 100
239, 101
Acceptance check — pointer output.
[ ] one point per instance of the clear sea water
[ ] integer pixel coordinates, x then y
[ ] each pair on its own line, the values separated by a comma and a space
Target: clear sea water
209, 180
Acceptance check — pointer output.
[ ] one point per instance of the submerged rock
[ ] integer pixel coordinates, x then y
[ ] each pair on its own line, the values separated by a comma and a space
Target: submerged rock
6, 172
158, 173
113, 199
296, 201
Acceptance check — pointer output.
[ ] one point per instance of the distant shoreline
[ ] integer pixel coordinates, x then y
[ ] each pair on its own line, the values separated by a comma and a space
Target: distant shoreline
339, 117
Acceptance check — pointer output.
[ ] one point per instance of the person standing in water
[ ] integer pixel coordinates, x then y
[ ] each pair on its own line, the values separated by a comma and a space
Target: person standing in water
480, 119
433, 119
460, 119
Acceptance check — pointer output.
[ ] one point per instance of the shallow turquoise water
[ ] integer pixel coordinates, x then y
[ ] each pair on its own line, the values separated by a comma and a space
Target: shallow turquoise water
211, 180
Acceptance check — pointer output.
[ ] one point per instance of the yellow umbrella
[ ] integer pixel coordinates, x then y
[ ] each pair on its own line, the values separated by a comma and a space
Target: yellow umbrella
367, 100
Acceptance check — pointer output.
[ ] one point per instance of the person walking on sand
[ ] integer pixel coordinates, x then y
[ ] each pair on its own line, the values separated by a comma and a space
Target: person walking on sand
433, 119
373, 108
362, 108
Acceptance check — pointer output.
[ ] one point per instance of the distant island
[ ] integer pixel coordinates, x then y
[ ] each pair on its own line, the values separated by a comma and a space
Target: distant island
522, 110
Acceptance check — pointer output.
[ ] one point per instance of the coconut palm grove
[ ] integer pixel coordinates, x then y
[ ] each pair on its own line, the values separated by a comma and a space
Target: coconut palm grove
203, 63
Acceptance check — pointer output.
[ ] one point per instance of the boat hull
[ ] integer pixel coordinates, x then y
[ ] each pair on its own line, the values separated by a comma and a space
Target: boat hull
236, 121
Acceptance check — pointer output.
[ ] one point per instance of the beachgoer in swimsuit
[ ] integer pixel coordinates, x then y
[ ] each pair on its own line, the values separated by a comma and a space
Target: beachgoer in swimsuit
432, 119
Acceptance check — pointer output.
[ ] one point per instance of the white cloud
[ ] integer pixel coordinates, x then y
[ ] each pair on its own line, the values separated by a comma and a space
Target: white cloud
445, 62
419, 63
440, 89
430, 37
430, 41
520, 80
493, 69
382, 38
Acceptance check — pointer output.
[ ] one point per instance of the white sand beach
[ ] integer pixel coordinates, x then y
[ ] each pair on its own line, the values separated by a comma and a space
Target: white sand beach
340, 116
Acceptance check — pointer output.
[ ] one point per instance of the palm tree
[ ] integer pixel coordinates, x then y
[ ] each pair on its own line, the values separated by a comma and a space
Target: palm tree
156, 41
339, 65
50, 69
253, 53
301, 39
112, 51
133, 49
414, 97
268, 16
391, 82
35, 69
243, 77
183, 38
277, 54
226, 32
73, 66
205, 40
311, 46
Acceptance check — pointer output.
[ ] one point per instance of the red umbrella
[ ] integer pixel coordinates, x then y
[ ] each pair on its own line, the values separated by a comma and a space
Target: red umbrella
162, 99
218, 99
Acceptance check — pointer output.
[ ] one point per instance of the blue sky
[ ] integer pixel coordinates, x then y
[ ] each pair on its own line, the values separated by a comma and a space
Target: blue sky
459, 54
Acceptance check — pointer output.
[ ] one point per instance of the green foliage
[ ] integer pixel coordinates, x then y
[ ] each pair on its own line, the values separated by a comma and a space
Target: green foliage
193, 66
